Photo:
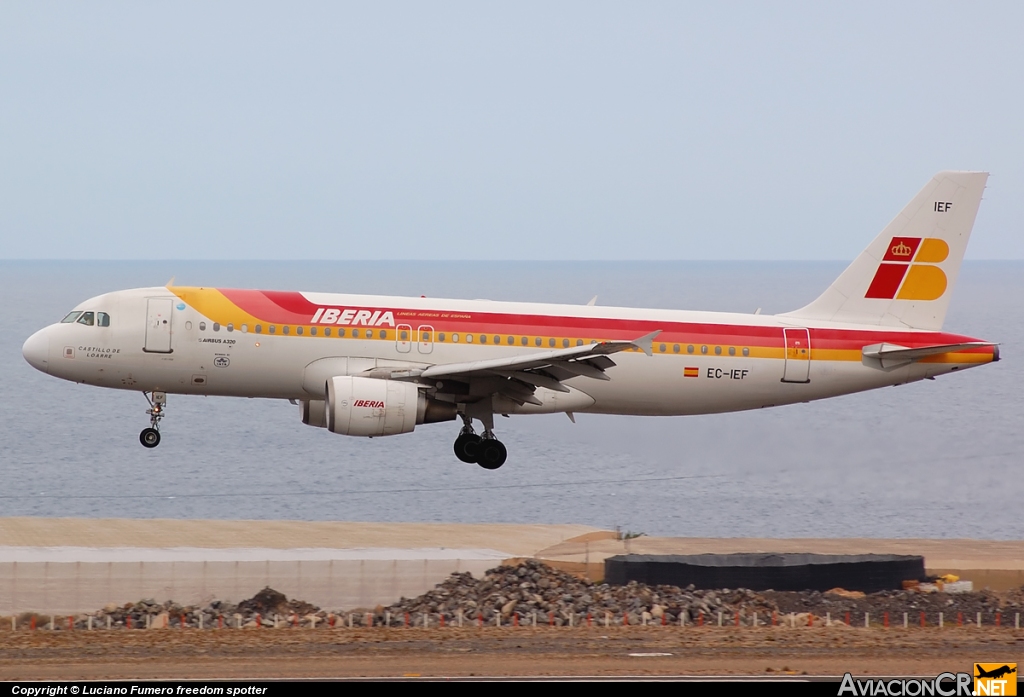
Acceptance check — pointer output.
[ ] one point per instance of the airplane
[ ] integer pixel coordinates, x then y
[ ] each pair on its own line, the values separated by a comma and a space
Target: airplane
995, 673
373, 366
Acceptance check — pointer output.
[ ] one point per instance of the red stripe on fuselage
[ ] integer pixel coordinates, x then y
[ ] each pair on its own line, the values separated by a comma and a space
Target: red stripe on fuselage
272, 306
288, 307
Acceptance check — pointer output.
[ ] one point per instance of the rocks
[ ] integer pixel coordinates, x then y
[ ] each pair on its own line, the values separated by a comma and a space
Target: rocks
555, 597
533, 593
270, 602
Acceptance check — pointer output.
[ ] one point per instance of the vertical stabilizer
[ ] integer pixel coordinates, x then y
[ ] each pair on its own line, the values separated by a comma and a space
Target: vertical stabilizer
906, 276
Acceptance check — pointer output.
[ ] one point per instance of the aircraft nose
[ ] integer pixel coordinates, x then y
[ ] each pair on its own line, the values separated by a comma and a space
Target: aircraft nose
37, 350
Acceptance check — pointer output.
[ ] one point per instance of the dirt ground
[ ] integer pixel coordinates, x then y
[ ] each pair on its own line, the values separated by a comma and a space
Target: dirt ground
523, 651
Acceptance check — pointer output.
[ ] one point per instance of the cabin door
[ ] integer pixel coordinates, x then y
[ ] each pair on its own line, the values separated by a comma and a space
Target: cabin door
798, 356
158, 325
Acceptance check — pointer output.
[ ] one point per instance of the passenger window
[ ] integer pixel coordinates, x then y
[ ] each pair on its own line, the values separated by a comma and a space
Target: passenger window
298, 330
455, 338
440, 337
732, 350
341, 331
402, 335
87, 318
216, 326
103, 320
483, 338
327, 331
258, 328
565, 343
510, 340
497, 339
383, 334
272, 329
718, 350
661, 348
675, 348
538, 341
424, 336
551, 343
579, 342
746, 351
689, 349
355, 333
312, 331
284, 330
231, 327
188, 325
72, 316
202, 326
469, 338
703, 349
244, 328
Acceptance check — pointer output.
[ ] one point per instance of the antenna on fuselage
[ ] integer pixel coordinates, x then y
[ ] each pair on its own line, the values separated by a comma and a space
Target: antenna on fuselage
593, 301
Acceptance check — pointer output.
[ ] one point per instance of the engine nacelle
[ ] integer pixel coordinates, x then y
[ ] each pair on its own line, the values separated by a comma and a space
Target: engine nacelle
359, 406
314, 412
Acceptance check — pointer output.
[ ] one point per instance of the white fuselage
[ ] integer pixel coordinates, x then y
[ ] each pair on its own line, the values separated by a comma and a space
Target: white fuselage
702, 362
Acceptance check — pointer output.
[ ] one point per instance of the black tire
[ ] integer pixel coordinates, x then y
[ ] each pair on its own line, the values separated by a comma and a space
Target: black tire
150, 437
492, 454
467, 447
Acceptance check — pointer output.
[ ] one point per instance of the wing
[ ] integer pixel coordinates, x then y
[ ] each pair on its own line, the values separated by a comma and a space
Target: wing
516, 377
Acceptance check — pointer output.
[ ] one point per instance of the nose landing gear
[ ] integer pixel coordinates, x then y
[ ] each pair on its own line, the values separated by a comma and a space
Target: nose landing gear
150, 437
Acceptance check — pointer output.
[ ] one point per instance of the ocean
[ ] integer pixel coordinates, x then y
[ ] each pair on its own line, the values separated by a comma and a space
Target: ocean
932, 459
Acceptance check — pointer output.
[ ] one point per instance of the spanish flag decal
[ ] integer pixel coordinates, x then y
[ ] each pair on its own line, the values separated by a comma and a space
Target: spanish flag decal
691, 372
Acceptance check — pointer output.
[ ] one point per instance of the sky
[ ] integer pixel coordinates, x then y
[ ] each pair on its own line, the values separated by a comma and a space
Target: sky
500, 130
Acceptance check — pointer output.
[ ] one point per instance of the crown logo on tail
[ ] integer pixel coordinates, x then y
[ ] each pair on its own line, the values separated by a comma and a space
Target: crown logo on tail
902, 250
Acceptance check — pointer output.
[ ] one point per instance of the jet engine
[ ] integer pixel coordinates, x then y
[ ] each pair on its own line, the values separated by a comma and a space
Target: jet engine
314, 412
358, 406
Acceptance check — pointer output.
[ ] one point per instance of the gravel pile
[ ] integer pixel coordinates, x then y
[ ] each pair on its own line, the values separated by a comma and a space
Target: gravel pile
956, 607
534, 593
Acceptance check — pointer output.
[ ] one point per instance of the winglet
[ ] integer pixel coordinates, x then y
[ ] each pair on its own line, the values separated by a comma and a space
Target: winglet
646, 342
170, 282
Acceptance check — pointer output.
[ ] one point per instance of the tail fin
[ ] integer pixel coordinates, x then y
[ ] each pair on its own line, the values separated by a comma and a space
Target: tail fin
905, 277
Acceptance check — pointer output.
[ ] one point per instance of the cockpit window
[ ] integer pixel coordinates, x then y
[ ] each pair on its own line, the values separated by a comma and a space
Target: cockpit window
72, 316
87, 318
102, 319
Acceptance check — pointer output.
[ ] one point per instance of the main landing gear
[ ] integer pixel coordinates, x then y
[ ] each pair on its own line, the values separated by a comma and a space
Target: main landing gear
486, 451
150, 437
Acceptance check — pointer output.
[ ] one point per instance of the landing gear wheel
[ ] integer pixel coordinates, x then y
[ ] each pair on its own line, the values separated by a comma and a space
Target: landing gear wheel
150, 437
467, 447
491, 454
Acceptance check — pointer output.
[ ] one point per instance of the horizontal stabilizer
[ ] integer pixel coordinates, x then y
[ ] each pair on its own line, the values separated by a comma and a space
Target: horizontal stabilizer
893, 355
